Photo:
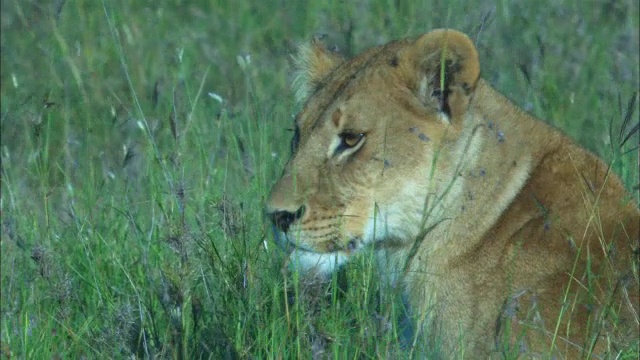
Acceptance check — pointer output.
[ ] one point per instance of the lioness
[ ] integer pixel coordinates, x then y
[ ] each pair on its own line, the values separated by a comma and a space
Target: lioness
505, 235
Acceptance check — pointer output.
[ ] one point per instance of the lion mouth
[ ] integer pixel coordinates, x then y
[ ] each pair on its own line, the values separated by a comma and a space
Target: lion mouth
327, 247
308, 260
289, 242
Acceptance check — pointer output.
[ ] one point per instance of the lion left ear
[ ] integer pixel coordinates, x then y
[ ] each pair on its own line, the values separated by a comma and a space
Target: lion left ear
313, 62
445, 70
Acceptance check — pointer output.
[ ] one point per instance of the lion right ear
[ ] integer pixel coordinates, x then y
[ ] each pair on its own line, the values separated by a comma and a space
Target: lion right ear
313, 62
444, 70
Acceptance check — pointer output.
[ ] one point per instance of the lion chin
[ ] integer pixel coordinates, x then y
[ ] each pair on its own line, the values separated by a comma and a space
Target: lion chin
320, 264
308, 261
506, 237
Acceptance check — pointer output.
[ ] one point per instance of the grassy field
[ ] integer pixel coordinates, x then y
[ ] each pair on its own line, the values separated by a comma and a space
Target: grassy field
140, 139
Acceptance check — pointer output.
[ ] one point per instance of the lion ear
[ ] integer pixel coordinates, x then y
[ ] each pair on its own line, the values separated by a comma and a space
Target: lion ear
313, 62
445, 70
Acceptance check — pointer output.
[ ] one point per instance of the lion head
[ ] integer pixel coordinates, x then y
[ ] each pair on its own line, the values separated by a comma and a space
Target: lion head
374, 144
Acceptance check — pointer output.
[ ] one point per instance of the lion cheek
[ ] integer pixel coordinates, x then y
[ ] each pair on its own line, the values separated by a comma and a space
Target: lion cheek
396, 218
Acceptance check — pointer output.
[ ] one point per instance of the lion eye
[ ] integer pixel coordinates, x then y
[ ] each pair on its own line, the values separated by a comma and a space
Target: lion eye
347, 143
350, 140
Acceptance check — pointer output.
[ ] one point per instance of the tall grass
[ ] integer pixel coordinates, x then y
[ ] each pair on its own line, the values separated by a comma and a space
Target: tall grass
139, 141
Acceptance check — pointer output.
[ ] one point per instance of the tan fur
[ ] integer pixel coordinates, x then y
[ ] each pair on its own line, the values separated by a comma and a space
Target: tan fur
501, 230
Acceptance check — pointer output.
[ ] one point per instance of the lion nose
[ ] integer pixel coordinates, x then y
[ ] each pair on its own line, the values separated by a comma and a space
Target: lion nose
283, 219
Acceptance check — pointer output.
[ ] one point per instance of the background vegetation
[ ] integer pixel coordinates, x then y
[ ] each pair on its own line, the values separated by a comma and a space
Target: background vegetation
140, 139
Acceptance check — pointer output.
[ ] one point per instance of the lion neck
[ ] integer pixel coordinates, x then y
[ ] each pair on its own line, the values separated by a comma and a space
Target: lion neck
494, 161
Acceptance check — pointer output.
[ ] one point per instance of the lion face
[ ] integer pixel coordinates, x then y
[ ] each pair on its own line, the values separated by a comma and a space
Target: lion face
366, 143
